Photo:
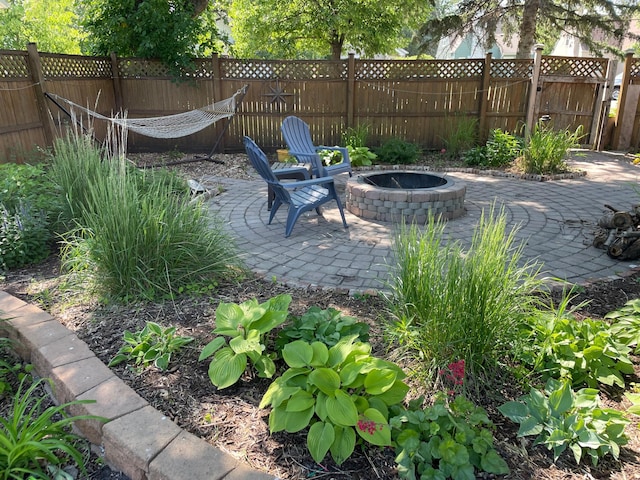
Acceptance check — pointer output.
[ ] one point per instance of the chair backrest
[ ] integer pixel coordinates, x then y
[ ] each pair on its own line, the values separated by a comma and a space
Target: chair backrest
297, 135
259, 161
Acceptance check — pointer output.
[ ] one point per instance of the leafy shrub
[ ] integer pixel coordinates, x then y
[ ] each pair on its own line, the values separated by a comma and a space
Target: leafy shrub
626, 324
441, 294
24, 236
477, 156
37, 442
138, 237
340, 392
445, 440
361, 156
151, 345
584, 352
12, 370
397, 151
326, 326
502, 148
563, 418
546, 149
247, 324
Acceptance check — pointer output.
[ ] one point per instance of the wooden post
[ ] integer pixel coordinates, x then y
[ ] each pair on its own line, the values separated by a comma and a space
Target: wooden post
40, 89
351, 89
483, 134
622, 97
534, 91
117, 87
599, 123
217, 94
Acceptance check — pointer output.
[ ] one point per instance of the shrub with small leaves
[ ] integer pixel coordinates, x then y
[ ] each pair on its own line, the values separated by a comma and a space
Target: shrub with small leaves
398, 151
24, 236
445, 440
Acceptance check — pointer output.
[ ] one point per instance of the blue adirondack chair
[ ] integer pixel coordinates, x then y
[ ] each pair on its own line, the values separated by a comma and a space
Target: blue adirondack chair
300, 196
298, 138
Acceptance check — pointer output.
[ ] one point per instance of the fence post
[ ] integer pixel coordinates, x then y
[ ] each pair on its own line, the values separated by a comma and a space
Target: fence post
217, 93
351, 89
117, 87
35, 68
484, 100
622, 100
534, 91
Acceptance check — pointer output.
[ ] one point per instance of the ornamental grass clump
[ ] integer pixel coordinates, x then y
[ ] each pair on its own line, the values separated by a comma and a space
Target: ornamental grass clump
449, 304
137, 233
546, 149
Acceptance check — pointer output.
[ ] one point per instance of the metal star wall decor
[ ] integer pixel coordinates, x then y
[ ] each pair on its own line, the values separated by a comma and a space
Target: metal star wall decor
278, 94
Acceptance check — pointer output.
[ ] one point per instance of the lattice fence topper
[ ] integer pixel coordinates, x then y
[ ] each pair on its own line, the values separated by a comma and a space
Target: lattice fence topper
511, 68
635, 69
64, 66
284, 70
14, 66
403, 70
135, 68
574, 67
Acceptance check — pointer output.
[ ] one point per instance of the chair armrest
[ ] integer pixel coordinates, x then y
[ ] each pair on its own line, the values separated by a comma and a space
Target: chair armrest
306, 183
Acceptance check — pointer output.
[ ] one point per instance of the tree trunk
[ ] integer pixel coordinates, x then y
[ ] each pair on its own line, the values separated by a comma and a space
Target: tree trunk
337, 42
199, 6
528, 28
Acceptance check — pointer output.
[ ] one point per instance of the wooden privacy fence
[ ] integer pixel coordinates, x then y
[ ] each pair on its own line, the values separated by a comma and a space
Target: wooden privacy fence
422, 101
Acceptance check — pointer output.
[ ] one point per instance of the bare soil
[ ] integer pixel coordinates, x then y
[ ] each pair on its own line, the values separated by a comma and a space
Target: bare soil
231, 420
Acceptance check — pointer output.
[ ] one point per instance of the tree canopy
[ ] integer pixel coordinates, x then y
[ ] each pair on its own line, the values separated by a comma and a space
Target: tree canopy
320, 28
600, 24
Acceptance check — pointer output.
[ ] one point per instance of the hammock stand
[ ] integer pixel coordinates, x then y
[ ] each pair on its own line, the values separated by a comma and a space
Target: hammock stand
205, 120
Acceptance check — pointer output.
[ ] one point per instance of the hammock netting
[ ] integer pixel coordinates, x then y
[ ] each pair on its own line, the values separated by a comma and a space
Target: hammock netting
168, 126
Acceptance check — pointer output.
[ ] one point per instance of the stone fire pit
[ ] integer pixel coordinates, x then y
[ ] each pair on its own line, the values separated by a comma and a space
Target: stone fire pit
404, 195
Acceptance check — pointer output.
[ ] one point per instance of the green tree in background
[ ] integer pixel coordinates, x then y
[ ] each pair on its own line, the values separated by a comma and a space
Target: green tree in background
53, 25
173, 31
320, 28
601, 25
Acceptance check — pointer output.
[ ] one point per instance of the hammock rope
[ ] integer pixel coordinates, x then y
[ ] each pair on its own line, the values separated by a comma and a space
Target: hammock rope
168, 126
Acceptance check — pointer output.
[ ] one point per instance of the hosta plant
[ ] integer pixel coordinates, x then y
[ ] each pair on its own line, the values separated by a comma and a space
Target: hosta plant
585, 352
626, 324
361, 156
561, 418
247, 325
341, 393
326, 326
151, 345
446, 440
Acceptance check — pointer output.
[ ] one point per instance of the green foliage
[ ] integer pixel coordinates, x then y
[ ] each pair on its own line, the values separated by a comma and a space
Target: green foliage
35, 442
340, 393
53, 25
305, 29
326, 326
12, 370
462, 135
397, 151
247, 325
330, 157
625, 324
441, 294
445, 440
138, 234
584, 352
501, 149
151, 345
546, 149
155, 29
563, 418
356, 136
361, 156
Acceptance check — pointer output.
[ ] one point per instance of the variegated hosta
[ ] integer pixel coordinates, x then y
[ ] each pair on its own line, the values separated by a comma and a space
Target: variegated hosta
341, 392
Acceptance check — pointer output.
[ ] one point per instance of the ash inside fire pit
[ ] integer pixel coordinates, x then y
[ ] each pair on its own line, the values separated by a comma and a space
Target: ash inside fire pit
404, 195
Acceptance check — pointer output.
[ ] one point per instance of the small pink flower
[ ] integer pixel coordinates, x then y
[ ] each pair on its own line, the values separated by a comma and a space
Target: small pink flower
444, 150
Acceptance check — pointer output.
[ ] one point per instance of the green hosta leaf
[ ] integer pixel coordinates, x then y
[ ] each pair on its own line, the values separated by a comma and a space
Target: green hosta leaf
212, 347
296, 421
299, 401
231, 320
226, 367
634, 398
379, 381
344, 444
276, 394
154, 328
374, 428
277, 419
321, 406
320, 354
577, 452
561, 400
341, 409
530, 426
265, 367
251, 343
395, 394
276, 313
162, 362
378, 404
118, 359
491, 462
350, 373
297, 354
339, 352
326, 379
319, 439
609, 377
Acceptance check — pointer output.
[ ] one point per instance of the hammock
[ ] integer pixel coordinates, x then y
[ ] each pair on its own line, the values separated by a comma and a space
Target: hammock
169, 126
